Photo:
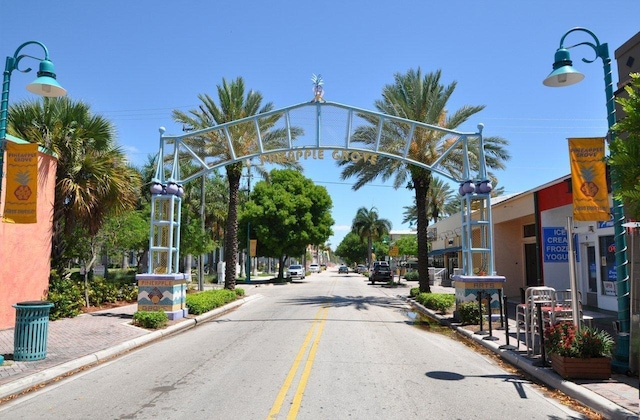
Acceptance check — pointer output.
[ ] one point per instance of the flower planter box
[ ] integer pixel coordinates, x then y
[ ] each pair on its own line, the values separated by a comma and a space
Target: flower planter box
577, 368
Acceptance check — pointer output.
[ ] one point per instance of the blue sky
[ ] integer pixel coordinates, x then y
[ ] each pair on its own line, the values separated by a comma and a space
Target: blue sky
136, 61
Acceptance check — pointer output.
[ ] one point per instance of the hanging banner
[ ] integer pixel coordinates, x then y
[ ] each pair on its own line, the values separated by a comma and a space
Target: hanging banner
22, 183
588, 179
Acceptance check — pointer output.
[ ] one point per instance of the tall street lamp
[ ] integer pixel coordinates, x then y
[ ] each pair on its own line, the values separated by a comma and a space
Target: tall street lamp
44, 85
564, 74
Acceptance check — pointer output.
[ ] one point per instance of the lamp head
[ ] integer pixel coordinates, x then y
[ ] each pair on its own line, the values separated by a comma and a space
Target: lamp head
46, 83
563, 73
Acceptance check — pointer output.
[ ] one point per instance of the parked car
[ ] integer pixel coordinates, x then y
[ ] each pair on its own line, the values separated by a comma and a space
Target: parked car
296, 271
361, 268
314, 268
381, 272
343, 269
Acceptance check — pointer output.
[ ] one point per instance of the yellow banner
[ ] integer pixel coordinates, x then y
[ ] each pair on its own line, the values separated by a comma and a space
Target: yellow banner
22, 183
253, 246
588, 179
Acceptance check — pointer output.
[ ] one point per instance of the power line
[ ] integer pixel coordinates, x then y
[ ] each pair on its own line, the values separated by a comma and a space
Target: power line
348, 183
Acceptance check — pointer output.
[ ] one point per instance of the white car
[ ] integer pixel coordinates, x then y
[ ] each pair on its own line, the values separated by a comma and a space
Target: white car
314, 268
295, 271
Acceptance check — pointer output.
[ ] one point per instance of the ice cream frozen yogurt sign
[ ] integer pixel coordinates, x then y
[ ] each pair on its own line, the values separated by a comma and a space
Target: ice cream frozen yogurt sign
556, 246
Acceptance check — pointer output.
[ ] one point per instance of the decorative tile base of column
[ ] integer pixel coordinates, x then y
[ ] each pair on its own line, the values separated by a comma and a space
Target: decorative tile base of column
163, 292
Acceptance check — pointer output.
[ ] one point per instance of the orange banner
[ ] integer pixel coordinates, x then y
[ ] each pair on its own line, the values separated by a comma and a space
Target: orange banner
588, 179
22, 183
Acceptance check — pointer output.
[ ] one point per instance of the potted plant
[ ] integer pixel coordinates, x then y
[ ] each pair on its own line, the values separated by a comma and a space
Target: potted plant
583, 353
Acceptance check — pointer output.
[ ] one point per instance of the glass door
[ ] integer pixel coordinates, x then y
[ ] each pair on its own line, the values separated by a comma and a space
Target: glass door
531, 265
592, 276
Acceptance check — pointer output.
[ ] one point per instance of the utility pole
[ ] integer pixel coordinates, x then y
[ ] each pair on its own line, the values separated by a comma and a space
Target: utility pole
248, 224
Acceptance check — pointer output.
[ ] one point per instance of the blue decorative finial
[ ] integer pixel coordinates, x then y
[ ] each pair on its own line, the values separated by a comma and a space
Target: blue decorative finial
318, 90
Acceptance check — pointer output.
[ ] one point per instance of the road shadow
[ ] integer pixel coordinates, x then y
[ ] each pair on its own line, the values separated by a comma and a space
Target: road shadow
360, 303
516, 380
111, 315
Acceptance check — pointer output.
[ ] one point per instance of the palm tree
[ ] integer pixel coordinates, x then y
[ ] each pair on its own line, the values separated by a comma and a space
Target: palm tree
93, 177
441, 201
422, 99
369, 226
235, 103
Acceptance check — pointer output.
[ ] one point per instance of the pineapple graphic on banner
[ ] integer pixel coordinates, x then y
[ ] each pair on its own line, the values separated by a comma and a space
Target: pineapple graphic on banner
22, 183
588, 179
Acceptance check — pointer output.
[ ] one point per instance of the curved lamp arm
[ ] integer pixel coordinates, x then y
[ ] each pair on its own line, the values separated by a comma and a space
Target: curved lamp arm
13, 62
45, 84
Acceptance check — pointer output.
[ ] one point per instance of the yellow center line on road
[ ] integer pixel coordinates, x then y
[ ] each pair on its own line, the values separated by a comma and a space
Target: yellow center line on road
277, 405
319, 321
297, 399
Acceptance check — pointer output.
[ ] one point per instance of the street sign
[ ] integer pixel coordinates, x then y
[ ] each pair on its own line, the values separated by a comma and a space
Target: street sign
394, 251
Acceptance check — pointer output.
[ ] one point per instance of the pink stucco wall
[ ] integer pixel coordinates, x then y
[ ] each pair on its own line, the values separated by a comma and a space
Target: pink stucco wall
25, 248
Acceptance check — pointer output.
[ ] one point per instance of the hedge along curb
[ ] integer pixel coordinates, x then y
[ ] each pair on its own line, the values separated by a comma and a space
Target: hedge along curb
49, 375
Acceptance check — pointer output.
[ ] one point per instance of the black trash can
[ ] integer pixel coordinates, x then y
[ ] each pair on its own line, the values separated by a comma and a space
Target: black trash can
31, 330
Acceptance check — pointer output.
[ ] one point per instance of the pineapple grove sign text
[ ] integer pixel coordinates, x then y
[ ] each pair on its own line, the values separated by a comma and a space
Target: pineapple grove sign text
295, 155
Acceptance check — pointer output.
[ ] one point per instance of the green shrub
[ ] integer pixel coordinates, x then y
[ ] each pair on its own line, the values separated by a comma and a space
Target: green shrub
199, 303
102, 290
66, 295
412, 276
123, 276
415, 291
128, 291
469, 313
239, 292
436, 301
150, 319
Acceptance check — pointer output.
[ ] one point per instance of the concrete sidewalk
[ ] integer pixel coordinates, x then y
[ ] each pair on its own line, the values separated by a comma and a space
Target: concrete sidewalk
76, 343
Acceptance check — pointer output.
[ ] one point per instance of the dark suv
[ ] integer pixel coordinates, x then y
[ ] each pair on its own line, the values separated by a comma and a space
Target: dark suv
381, 272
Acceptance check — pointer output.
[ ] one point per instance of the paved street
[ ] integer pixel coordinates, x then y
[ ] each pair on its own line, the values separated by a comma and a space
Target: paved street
330, 347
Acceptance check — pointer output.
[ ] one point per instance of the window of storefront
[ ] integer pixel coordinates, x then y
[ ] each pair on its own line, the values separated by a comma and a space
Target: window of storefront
529, 231
608, 265
438, 261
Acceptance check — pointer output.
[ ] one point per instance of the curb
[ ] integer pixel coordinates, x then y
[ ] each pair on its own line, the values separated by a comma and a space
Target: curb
48, 375
587, 397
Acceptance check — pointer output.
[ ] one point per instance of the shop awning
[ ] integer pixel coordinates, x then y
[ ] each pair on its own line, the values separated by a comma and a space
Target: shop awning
444, 250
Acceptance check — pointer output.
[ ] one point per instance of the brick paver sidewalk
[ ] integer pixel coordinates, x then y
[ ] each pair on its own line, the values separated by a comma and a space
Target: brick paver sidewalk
72, 338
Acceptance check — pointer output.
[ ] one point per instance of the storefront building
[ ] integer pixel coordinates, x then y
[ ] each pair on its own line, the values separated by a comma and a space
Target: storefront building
531, 245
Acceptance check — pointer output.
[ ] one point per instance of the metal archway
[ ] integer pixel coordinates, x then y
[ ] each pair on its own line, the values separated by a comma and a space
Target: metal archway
309, 130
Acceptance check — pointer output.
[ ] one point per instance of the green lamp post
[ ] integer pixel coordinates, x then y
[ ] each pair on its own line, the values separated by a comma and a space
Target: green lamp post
44, 85
564, 74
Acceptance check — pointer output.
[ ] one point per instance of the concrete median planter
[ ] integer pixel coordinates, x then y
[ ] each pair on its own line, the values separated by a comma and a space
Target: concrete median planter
577, 368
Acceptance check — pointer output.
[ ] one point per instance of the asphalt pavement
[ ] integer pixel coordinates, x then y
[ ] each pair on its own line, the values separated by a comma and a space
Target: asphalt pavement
75, 344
